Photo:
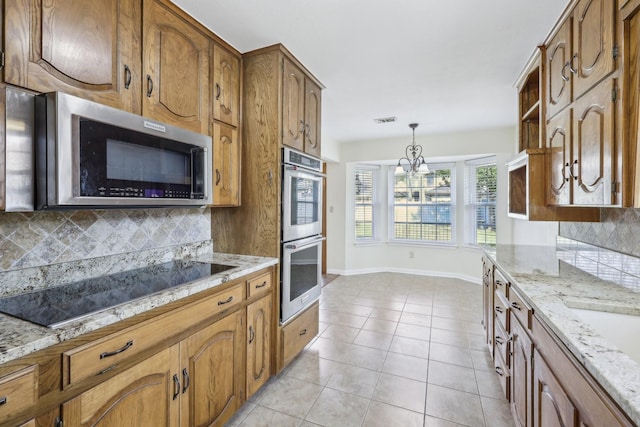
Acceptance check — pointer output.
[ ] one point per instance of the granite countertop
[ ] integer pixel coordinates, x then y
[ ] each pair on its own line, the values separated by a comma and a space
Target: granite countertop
576, 275
19, 338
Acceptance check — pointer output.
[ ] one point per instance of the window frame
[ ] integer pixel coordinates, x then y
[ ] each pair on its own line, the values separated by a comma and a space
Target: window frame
470, 201
375, 203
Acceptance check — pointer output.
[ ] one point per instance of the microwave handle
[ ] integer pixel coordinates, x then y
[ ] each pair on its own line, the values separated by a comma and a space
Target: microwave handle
198, 173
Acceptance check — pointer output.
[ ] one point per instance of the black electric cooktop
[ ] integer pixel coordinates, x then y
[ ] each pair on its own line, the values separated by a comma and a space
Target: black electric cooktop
53, 307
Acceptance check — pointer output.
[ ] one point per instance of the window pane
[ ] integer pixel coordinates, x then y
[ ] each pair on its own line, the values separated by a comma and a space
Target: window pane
423, 206
482, 189
364, 203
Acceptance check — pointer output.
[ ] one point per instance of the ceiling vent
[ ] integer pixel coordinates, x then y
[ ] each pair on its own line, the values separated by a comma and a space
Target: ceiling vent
385, 120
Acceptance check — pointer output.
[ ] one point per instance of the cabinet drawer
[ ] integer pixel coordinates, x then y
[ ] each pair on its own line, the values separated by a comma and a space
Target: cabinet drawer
103, 355
259, 284
521, 310
18, 391
299, 332
501, 310
502, 284
502, 343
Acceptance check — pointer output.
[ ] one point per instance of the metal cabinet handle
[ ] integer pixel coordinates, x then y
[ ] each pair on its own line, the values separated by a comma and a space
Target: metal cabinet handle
227, 301
218, 176
3, 400
218, 91
564, 169
516, 306
499, 371
125, 347
499, 310
301, 126
127, 76
571, 67
573, 175
185, 380
562, 74
262, 285
252, 334
149, 86
303, 332
499, 340
176, 386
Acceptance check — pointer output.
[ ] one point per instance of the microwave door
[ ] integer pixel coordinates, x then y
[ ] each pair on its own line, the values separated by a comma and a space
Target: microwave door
198, 173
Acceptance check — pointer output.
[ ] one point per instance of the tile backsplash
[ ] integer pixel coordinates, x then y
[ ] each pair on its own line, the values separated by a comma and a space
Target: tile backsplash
619, 230
47, 237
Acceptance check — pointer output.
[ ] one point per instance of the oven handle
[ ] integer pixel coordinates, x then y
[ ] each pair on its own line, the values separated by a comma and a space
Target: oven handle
293, 246
308, 171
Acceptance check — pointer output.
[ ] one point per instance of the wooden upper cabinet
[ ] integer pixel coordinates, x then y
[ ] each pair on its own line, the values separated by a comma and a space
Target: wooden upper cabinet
593, 44
175, 65
593, 146
312, 110
582, 53
293, 97
560, 161
89, 49
558, 57
212, 373
226, 166
226, 86
146, 394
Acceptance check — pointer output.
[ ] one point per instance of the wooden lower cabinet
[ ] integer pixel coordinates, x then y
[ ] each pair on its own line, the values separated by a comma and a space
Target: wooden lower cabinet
521, 371
297, 333
552, 406
211, 373
144, 395
259, 315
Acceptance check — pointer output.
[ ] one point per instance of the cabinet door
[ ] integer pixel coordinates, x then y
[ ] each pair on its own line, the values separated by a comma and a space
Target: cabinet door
88, 49
258, 344
558, 57
593, 41
226, 166
213, 372
176, 70
551, 405
293, 96
559, 159
226, 86
487, 301
146, 394
521, 372
312, 110
593, 143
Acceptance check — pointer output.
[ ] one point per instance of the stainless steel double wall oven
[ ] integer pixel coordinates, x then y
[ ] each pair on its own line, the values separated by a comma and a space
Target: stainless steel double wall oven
301, 232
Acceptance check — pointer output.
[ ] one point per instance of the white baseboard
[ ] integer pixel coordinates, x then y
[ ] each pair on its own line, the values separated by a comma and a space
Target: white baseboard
472, 279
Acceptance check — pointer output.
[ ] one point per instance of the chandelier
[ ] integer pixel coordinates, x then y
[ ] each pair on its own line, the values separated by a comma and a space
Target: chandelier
413, 161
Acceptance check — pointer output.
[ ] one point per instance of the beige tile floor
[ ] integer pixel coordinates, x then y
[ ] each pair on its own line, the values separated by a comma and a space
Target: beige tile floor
393, 350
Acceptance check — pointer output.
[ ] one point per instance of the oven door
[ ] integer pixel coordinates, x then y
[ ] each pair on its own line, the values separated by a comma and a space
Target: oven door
301, 203
301, 275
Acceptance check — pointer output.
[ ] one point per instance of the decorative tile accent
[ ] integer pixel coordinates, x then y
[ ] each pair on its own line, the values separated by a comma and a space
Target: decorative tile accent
618, 230
47, 237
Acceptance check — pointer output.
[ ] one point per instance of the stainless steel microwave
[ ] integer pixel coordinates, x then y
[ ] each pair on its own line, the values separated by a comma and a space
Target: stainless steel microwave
89, 155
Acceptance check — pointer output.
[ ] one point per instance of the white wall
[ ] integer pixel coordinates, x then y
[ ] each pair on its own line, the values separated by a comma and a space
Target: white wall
345, 257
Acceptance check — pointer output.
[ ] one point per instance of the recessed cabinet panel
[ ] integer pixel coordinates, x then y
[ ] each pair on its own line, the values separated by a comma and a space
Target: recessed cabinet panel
558, 75
293, 107
258, 344
226, 166
593, 144
226, 86
552, 407
176, 70
593, 57
88, 49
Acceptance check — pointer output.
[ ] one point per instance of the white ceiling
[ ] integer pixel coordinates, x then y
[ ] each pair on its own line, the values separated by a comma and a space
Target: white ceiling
446, 64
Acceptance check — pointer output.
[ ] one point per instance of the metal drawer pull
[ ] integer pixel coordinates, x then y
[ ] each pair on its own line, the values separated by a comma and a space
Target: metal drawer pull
218, 91
110, 368
252, 335
303, 332
499, 310
516, 305
185, 380
120, 350
127, 76
262, 285
3, 400
499, 340
499, 371
227, 301
149, 86
176, 386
